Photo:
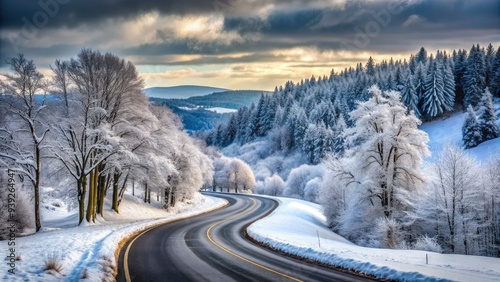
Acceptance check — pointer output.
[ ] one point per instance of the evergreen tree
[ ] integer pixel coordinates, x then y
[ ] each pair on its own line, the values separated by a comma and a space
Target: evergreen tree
309, 142
460, 66
471, 134
412, 65
495, 75
474, 77
256, 127
419, 82
338, 145
487, 118
297, 123
489, 61
409, 96
421, 56
434, 103
448, 87
370, 67
399, 83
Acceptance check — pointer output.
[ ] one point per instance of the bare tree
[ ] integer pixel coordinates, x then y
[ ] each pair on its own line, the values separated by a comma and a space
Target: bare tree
21, 89
104, 89
61, 81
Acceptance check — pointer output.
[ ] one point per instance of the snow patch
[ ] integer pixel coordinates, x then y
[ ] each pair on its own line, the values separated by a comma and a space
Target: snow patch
299, 228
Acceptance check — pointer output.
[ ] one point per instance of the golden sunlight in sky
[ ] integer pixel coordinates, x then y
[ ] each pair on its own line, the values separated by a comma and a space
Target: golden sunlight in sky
241, 44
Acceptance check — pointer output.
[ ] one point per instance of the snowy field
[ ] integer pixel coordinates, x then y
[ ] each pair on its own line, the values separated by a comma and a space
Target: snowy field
89, 251
449, 130
294, 227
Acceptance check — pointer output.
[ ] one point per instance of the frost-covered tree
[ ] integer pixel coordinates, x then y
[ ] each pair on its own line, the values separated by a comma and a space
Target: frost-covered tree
489, 60
309, 142
23, 139
437, 98
489, 244
240, 176
391, 146
61, 82
474, 77
460, 66
471, 132
409, 96
338, 143
298, 179
495, 75
272, 185
387, 149
487, 118
452, 200
448, 87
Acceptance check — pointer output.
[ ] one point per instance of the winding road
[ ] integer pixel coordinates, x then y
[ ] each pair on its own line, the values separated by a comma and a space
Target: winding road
212, 247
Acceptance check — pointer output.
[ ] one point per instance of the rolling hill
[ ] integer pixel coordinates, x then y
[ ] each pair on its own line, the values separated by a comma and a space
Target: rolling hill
206, 112
181, 92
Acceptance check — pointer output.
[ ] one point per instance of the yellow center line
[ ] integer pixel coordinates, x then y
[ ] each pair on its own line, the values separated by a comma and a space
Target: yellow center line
125, 256
238, 256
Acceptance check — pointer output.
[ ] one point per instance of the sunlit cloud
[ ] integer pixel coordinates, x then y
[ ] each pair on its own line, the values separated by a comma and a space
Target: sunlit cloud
247, 43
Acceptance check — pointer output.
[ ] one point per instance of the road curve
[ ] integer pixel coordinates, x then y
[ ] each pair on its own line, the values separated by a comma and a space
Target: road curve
212, 247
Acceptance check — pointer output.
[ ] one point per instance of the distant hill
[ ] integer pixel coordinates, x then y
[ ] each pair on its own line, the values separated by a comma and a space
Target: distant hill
181, 92
197, 113
228, 99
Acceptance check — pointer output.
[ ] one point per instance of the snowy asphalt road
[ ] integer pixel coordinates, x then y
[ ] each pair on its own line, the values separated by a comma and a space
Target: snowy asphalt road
212, 247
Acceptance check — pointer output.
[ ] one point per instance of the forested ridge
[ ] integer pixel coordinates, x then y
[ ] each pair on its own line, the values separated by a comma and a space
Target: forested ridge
431, 85
351, 141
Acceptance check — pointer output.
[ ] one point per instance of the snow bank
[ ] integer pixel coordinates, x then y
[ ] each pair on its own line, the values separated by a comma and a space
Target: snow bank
299, 228
89, 251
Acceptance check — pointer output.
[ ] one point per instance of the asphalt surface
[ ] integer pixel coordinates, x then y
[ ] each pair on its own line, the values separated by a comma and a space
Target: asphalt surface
212, 247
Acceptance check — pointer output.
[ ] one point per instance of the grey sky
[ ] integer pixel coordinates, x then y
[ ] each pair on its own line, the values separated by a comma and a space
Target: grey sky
230, 39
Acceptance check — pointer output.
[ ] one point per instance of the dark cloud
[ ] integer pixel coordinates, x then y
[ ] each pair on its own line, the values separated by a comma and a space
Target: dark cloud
72, 13
373, 26
381, 23
181, 47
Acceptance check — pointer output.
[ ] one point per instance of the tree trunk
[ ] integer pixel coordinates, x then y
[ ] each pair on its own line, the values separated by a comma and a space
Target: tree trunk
172, 197
385, 200
122, 190
145, 192
102, 188
91, 204
167, 197
37, 188
114, 205
81, 200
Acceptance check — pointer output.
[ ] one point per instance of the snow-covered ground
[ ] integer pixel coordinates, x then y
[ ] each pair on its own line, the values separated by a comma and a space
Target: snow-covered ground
218, 110
449, 130
89, 251
299, 228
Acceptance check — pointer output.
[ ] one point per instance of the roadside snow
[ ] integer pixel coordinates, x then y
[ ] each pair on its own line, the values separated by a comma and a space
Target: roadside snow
89, 250
298, 227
